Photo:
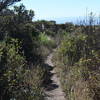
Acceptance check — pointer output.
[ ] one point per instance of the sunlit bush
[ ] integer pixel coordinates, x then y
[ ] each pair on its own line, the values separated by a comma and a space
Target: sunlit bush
77, 63
15, 74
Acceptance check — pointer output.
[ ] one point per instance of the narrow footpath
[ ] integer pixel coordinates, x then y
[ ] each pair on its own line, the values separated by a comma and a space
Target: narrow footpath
53, 90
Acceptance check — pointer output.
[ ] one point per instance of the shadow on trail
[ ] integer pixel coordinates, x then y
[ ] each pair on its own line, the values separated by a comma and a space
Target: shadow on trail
51, 87
48, 83
48, 67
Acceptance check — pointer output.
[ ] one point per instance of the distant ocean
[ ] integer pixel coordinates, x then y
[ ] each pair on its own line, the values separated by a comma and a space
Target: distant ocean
74, 20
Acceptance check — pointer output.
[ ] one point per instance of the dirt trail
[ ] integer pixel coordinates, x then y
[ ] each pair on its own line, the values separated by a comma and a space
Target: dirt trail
53, 90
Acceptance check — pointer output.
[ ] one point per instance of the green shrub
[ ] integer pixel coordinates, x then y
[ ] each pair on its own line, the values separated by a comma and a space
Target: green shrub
77, 63
15, 74
72, 48
46, 40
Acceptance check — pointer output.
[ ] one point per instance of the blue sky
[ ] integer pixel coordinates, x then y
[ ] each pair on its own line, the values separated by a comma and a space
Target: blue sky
61, 8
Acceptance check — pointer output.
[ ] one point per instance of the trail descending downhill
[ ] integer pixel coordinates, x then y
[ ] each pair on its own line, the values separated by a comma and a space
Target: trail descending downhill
53, 90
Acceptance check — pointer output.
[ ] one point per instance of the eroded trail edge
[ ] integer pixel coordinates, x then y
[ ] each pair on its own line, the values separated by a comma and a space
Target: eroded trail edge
53, 90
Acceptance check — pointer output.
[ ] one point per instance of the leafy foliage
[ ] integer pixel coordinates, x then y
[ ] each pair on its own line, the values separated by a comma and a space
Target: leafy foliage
6, 3
77, 60
25, 44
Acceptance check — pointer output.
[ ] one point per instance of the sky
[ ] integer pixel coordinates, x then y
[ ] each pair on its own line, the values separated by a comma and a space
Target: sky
62, 8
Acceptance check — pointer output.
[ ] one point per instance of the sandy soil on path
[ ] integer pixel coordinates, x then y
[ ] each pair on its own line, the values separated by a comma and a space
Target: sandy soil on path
53, 90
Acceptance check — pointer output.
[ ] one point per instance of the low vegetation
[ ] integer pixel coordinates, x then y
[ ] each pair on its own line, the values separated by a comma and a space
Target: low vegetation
77, 62
24, 46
